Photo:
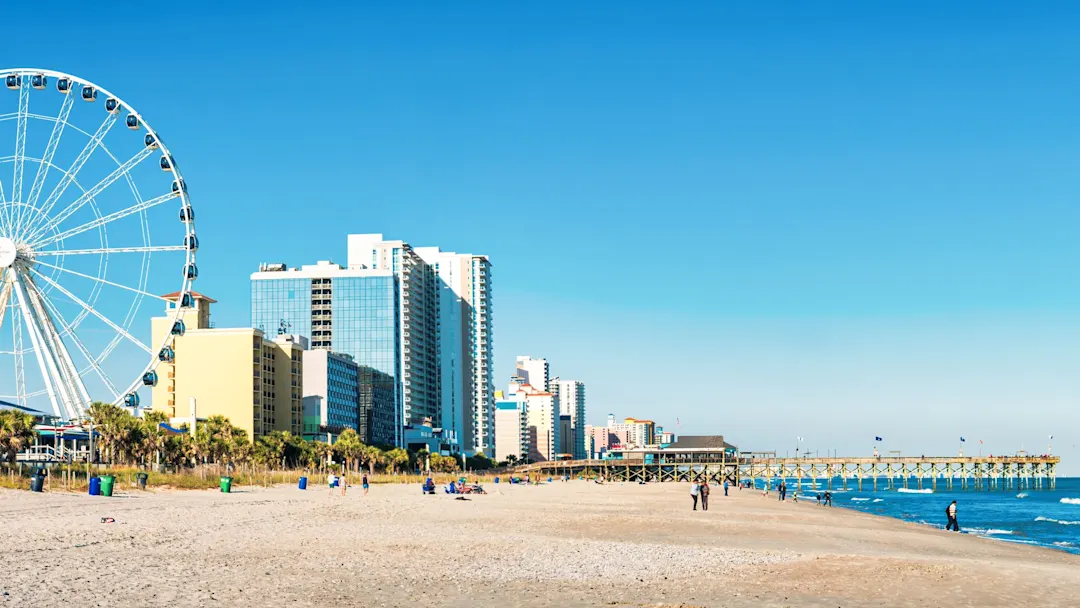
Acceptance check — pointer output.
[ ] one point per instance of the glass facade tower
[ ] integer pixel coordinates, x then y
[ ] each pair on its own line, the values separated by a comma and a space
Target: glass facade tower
350, 311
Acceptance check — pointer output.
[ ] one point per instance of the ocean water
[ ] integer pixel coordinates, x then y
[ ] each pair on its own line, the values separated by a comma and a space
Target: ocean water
1049, 518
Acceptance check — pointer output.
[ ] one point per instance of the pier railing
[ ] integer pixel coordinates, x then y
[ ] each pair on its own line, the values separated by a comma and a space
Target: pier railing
872, 472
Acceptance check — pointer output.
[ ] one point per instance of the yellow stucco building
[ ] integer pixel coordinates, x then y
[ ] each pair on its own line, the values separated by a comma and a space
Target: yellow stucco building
254, 381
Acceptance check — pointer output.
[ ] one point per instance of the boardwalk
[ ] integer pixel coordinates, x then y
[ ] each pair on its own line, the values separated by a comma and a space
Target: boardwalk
887, 473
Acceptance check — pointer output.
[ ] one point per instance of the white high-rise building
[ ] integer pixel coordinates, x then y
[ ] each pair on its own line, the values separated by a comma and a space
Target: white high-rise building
512, 437
465, 345
533, 371
570, 395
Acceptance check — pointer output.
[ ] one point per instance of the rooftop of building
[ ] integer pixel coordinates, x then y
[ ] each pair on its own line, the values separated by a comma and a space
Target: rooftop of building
174, 296
701, 441
318, 270
4, 405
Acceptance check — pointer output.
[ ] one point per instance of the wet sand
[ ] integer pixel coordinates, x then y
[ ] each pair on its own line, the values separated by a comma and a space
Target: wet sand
570, 544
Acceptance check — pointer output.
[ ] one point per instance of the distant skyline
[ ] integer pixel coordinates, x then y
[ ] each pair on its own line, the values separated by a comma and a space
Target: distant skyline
768, 221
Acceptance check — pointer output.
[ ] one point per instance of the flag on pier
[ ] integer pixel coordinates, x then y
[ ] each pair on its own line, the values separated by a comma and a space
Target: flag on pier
878, 439
961, 439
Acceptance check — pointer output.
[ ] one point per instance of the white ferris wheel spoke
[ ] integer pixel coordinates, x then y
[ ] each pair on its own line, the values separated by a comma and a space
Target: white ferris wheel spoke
109, 250
72, 390
5, 296
46, 364
70, 331
50, 150
76, 165
103, 281
54, 222
105, 219
20, 152
16, 339
91, 310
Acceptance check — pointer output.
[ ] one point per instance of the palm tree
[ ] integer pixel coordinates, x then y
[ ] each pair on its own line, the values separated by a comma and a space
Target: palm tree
271, 449
372, 456
16, 433
349, 447
109, 421
155, 437
321, 450
396, 458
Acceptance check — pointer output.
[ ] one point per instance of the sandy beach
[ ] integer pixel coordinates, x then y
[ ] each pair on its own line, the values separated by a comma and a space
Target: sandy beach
563, 544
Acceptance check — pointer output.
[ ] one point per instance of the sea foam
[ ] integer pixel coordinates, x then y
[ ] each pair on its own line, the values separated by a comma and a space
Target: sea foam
860, 499
1057, 521
1022, 495
1070, 501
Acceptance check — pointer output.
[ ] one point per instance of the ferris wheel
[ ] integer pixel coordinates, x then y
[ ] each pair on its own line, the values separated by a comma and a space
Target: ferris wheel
95, 223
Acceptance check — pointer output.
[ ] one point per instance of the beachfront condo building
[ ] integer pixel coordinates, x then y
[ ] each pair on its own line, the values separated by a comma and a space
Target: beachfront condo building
541, 420
570, 395
350, 311
566, 436
331, 392
465, 346
512, 436
210, 365
600, 439
533, 371
377, 406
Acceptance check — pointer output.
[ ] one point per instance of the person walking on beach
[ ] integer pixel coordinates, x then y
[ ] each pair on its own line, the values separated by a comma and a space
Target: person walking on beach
950, 512
828, 499
331, 480
342, 483
725, 487
705, 495
694, 489
365, 483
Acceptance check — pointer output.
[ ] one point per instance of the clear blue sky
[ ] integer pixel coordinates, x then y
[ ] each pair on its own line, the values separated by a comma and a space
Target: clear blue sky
832, 221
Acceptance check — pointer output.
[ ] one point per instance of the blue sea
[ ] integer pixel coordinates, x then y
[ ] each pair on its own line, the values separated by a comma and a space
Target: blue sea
1048, 518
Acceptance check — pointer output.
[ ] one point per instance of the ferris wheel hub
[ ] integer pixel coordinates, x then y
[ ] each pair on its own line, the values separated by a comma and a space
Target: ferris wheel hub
8, 252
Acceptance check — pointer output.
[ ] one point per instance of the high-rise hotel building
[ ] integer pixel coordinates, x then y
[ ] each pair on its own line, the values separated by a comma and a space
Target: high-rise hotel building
465, 346
420, 317
354, 311
570, 395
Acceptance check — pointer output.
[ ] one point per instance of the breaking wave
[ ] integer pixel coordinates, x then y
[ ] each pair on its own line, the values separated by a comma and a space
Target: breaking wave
1057, 521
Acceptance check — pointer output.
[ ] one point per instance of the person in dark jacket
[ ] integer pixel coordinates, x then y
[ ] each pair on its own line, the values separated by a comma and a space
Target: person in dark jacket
950, 512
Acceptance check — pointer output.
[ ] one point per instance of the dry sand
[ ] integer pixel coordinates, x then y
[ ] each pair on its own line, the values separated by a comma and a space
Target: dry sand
564, 544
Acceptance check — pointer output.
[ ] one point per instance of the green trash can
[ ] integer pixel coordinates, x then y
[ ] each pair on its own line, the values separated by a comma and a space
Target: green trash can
226, 484
107, 485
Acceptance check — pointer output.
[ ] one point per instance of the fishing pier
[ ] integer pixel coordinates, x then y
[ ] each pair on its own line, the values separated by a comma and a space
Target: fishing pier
664, 465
